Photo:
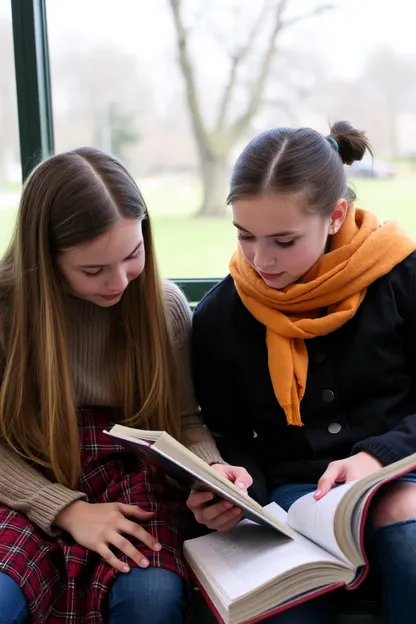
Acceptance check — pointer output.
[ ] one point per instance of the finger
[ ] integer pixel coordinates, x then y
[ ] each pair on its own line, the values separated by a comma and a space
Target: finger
111, 558
127, 548
330, 476
242, 479
137, 531
211, 512
223, 515
135, 511
226, 526
197, 499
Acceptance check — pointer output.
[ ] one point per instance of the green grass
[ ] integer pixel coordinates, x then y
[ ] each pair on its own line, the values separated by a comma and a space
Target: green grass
194, 247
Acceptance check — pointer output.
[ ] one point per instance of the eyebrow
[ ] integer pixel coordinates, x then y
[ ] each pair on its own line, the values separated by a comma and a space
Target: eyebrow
282, 233
99, 266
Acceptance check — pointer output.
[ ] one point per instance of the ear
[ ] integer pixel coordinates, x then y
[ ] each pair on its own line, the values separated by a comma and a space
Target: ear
338, 215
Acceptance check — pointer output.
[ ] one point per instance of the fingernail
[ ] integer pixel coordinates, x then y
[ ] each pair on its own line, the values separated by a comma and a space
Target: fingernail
241, 485
144, 563
318, 493
157, 546
125, 568
228, 505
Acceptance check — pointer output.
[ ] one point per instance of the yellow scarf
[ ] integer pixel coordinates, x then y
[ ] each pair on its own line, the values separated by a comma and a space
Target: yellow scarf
361, 252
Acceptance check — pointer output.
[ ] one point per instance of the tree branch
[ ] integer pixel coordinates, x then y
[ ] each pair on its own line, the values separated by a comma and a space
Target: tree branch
237, 59
257, 88
255, 97
300, 18
188, 73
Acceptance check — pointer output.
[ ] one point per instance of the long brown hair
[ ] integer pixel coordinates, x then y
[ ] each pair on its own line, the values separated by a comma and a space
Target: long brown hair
300, 160
70, 199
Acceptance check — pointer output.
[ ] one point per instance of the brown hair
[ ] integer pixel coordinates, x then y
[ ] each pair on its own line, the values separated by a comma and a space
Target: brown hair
290, 160
70, 199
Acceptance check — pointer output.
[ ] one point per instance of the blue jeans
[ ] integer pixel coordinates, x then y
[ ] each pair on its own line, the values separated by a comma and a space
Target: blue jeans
147, 596
143, 596
13, 605
392, 554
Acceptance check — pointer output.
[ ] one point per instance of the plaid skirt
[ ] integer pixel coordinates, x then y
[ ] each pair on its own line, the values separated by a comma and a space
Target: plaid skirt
61, 580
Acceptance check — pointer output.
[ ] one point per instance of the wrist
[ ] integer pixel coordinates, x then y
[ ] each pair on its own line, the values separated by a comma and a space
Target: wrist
65, 518
367, 456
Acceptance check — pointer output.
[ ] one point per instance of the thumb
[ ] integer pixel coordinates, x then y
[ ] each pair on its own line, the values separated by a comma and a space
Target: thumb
135, 511
330, 476
241, 477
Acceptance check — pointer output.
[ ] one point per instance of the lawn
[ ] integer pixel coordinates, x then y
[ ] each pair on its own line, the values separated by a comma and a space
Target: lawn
194, 247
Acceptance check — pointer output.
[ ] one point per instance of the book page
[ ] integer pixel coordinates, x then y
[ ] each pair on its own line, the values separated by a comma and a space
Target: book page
249, 555
315, 519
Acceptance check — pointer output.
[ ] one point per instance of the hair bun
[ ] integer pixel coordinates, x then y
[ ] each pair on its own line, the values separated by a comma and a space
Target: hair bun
352, 143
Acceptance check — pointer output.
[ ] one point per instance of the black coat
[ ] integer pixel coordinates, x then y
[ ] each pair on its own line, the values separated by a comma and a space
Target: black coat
360, 393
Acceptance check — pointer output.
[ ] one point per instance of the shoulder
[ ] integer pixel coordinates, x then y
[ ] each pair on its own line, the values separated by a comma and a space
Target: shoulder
218, 306
402, 276
218, 298
406, 268
397, 288
178, 311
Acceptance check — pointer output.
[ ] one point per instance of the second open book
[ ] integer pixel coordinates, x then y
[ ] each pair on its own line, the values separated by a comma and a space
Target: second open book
271, 560
252, 572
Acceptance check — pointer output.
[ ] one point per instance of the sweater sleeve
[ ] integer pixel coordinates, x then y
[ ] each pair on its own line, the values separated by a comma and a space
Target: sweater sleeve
24, 489
194, 433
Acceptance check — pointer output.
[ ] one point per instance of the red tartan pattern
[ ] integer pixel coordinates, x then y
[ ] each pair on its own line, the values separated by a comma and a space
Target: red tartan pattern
64, 582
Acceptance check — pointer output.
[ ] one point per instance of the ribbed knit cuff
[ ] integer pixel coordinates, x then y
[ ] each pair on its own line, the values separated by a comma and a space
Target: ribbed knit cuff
48, 503
208, 452
26, 490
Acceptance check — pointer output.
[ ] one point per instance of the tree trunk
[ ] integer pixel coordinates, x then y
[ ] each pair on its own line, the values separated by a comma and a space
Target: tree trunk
215, 186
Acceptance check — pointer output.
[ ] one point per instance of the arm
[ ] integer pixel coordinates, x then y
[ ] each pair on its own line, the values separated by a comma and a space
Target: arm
24, 489
400, 441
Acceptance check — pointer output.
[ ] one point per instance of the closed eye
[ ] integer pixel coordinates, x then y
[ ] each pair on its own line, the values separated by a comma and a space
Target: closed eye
285, 243
245, 237
92, 272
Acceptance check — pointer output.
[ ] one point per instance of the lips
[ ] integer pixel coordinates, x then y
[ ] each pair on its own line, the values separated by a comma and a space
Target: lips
111, 297
270, 276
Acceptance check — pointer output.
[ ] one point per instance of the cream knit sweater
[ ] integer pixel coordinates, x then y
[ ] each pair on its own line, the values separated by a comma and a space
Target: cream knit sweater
22, 487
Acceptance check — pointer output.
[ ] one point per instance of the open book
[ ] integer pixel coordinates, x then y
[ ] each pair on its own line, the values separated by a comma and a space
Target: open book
162, 451
252, 572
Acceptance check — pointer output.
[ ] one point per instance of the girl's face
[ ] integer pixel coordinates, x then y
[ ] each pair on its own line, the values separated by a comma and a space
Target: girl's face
280, 237
100, 271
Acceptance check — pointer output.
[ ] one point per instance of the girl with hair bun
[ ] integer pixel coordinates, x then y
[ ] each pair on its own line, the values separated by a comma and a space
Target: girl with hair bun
304, 356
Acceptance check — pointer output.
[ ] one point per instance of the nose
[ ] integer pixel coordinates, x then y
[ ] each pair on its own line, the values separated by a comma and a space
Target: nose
118, 281
264, 257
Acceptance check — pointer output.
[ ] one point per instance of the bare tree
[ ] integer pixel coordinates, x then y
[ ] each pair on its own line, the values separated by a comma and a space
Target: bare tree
216, 142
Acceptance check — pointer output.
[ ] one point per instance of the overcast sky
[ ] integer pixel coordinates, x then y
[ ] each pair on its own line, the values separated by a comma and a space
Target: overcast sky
346, 35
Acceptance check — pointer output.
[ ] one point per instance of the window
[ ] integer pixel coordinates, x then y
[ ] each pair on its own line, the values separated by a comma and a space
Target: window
119, 82
10, 172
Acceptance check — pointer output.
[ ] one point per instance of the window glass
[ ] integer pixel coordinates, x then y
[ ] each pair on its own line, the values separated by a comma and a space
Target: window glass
10, 172
178, 122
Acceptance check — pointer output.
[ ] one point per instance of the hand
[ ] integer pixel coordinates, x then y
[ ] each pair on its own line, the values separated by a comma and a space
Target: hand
345, 470
223, 515
101, 526
237, 474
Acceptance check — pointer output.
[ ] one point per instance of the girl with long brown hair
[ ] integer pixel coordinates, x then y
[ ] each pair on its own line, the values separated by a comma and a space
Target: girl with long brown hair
90, 336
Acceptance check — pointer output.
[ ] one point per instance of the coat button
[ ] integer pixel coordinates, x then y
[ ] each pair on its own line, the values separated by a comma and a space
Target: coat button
334, 428
328, 396
319, 357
